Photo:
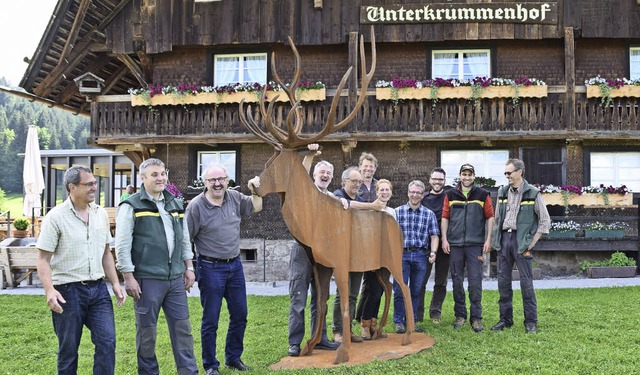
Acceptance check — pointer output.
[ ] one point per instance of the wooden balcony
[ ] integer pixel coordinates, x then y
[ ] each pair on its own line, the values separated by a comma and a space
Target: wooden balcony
115, 121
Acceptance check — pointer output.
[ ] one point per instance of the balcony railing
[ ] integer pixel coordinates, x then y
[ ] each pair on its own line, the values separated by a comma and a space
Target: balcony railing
115, 120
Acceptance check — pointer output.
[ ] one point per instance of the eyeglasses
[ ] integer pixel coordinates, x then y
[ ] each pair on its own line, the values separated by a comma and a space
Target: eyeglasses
218, 180
509, 173
88, 184
415, 192
357, 182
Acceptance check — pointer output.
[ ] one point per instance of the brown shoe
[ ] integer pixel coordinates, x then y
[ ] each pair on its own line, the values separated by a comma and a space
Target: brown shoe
459, 322
477, 326
366, 329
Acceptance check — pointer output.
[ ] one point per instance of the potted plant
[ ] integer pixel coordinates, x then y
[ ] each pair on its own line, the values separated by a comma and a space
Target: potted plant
587, 196
564, 229
21, 226
599, 229
619, 265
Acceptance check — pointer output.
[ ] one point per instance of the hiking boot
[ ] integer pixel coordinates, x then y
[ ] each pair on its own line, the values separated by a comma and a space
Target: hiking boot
459, 322
531, 328
477, 326
435, 319
337, 337
501, 325
366, 328
400, 328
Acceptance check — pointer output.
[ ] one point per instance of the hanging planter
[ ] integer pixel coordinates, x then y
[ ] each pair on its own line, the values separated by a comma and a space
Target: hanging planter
194, 95
460, 92
588, 199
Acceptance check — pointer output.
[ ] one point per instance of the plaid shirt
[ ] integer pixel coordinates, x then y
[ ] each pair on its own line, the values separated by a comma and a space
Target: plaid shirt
417, 225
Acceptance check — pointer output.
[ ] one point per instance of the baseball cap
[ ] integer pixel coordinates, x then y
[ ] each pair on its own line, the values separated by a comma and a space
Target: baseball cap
467, 167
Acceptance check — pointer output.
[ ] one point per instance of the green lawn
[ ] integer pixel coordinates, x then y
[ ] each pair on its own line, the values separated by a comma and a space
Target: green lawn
581, 331
13, 202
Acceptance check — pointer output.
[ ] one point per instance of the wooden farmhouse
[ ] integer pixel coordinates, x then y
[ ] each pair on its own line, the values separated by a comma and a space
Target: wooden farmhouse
567, 132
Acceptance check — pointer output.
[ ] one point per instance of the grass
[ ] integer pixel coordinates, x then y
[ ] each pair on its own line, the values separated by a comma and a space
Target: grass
581, 331
13, 202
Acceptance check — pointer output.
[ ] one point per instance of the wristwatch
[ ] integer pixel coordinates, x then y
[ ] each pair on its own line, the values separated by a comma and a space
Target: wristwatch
191, 269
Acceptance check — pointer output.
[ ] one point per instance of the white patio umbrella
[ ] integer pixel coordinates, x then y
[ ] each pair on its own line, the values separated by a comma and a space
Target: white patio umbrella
32, 174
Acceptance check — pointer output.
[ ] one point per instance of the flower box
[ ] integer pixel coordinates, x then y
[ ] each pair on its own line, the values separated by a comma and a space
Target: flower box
606, 272
610, 233
588, 199
220, 98
565, 234
593, 91
465, 92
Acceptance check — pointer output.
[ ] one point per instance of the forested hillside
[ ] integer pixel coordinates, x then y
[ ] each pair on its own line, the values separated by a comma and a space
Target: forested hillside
57, 130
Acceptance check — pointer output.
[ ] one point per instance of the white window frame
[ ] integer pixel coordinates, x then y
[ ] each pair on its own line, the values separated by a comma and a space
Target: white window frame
634, 62
615, 169
218, 76
486, 72
487, 163
219, 157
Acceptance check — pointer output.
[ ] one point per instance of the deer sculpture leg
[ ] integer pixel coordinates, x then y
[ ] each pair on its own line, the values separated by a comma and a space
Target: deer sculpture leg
383, 278
342, 282
322, 276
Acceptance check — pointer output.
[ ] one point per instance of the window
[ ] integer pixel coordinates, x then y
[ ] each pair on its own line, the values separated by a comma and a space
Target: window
226, 158
487, 163
634, 62
461, 64
616, 169
240, 68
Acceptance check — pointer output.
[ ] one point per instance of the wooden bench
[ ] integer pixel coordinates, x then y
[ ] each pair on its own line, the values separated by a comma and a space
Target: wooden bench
16, 261
111, 212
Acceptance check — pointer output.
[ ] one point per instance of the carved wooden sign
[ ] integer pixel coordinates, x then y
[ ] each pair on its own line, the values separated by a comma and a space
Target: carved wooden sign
530, 13
344, 240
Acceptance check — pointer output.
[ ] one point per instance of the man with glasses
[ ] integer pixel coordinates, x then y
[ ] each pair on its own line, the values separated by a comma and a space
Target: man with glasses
521, 219
420, 231
434, 200
73, 259
213, 218
351, 182
155, 258
467, 221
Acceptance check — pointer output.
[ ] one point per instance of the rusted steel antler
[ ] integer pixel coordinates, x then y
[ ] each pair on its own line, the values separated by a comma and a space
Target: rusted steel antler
291, 138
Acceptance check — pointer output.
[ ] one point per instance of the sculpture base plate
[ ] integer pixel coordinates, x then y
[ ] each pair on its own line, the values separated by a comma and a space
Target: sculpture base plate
365, 352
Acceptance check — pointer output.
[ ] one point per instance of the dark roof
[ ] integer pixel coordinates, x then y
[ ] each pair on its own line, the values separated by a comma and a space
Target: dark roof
77, 30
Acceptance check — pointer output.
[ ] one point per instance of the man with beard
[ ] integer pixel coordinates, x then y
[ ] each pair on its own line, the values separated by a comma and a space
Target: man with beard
73, 259
420, 233
301, 270
213, 218
351, 182
155, 258
521, 219
434, 200
467, 222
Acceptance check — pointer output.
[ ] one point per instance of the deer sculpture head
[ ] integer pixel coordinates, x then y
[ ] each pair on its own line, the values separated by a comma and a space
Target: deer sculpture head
288, 137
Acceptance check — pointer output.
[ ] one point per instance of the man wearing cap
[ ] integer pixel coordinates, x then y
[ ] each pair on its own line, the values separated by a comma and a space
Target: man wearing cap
467, 223
521, 219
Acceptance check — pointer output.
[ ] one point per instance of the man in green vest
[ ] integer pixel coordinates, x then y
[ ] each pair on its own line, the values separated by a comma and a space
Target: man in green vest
521, 219
155, 258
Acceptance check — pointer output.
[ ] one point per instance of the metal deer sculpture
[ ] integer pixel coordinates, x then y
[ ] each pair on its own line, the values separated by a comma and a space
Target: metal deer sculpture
344, 240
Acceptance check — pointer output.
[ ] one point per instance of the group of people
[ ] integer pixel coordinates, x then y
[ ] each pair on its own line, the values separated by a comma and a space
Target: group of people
154, 237
154, 254
448, 231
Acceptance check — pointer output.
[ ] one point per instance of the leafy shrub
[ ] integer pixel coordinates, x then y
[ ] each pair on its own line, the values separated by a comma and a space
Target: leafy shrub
617, 259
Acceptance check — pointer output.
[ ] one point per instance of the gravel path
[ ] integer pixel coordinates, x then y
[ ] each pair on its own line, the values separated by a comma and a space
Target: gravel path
281, 288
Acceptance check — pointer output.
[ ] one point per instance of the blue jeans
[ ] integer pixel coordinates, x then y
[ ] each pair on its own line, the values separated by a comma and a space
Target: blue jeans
218, 280
88, 305
414, 268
